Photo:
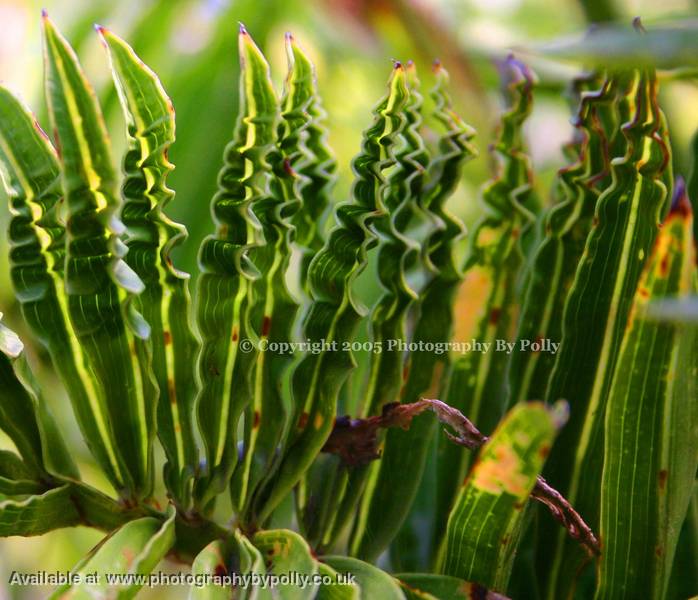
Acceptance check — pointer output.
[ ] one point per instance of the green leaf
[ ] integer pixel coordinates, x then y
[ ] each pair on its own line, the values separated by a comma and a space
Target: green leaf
12, 466
443, 586
555, 260
486, 519
372, 582
287, 553
335, 313
38, 514
20, 487
388, 498
486, 300
271, 310
99, 284
684, 578
123, 560
337, 590
17, 417
399, 272
487, 296
228, 272
25, 417
668, 45
151, 236
252, 563
651, 428
625, 225
304, 144
213, 560
30, 172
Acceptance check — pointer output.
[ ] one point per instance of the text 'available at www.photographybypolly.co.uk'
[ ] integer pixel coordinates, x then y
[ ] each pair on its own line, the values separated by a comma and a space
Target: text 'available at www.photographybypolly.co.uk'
199, 580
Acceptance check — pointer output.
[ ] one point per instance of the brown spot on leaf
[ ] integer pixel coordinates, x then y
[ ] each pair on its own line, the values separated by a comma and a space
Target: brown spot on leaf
659, 551
171, 390
501, 473
288, 169
539, 343
166, 338
255, 423
544, 451
495, 313
595, 221
663, 475
303, 420
266, 326
221, 570
234, 336
664, 265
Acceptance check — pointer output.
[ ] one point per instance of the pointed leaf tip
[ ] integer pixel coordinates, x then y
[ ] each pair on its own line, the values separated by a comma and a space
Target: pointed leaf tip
289, 37
44, 13
242, 30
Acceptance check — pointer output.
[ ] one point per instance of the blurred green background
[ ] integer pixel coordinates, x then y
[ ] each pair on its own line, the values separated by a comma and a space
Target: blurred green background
191, 44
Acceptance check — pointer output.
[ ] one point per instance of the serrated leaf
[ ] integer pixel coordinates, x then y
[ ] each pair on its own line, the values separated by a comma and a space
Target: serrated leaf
271, 310
304, 145
566, 227
485, 522
651, 427
30, 172
486, 300
399, 272
335, 313
150, 237
388, 499
626, 222
99, 284
228, 272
